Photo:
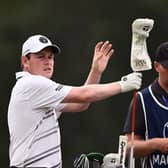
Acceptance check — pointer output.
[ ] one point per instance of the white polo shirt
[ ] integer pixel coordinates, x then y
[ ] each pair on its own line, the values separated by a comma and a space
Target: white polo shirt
33, 121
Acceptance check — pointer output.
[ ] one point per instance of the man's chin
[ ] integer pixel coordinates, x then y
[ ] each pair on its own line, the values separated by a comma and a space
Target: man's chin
48, 75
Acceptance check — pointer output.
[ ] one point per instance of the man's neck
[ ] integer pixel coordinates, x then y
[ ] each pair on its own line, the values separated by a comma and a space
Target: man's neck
163, 85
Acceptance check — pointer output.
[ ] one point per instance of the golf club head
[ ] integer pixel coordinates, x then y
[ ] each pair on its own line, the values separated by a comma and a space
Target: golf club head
142, 26
140, 60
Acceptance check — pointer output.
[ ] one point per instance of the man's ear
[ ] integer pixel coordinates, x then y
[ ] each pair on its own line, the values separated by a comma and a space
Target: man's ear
156, 66
24, 62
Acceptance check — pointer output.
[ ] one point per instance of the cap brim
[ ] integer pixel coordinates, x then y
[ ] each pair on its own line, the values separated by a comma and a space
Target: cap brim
164, 63
55, 48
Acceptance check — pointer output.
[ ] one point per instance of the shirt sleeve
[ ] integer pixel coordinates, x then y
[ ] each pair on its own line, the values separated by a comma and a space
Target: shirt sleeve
59, 108
139, 120
45, 93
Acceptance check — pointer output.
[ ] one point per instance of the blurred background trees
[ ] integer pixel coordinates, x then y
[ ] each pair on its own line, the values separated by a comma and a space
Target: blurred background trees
76, 26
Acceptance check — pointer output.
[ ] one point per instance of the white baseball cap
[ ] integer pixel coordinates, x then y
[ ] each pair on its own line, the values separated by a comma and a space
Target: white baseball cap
36, 43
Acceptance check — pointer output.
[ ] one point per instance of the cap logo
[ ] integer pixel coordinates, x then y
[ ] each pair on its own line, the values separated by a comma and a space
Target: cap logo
43, 40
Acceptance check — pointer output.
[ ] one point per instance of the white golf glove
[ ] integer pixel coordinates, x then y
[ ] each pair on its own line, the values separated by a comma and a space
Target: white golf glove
131, 81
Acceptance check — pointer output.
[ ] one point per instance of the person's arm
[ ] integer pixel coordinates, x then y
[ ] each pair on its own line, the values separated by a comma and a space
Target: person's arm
142, 147
96, 92
102, 54
145, 147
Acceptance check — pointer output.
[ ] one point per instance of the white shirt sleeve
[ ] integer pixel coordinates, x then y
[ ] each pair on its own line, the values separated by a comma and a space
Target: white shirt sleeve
59, 108
45, 93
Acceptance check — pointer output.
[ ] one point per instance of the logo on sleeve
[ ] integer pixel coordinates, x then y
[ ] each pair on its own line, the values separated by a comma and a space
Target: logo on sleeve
59, 87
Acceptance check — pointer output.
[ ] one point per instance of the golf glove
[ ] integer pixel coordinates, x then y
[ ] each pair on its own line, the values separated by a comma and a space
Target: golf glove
131, 81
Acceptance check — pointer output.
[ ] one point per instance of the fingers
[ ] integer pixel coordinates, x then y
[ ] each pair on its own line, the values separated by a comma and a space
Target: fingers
105, 48
110, 53
133, 76
102, 54
98, 46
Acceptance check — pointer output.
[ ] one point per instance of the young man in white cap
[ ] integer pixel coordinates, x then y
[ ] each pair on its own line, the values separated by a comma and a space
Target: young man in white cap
151, 123
37, 102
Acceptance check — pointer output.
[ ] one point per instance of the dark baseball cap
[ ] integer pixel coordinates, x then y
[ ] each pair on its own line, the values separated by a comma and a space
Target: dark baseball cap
162, 54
